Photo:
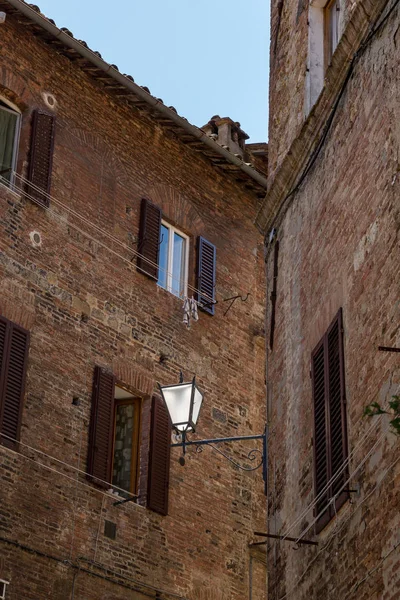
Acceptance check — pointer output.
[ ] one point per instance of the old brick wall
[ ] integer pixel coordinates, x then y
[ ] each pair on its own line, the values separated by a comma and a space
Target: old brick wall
339, 247
288, 67
84, 306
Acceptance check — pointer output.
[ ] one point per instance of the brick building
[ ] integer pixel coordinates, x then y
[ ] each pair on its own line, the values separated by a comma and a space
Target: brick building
113, 207
331, 218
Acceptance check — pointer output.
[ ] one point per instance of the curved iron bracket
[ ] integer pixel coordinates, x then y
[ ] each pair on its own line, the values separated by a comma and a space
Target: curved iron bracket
252, 455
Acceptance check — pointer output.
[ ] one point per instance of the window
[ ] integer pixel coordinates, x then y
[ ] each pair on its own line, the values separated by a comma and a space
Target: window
14, 343
323, 38
163, 255
126, 440
331, 29
173, 260
330, 430
9, 136
119, 450
3, 587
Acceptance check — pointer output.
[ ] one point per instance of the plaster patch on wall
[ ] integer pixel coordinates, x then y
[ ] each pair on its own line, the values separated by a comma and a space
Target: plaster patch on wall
365, 245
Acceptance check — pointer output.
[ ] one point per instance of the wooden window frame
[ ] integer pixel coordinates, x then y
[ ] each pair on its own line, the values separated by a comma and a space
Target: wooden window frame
136, 437
330, 510
172, 230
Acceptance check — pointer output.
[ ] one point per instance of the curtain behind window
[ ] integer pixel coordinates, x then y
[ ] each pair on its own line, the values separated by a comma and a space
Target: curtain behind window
8, 124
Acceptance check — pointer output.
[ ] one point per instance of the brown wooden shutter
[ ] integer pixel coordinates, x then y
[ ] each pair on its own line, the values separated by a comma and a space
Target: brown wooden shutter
14, 345
337, 408
41, 156
159, 459
101, 426
273, 295
330, 428
321, 463
206, 267
149, 239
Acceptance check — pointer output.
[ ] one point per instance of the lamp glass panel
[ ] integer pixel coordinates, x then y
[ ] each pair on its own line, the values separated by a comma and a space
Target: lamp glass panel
198, 399
177, 399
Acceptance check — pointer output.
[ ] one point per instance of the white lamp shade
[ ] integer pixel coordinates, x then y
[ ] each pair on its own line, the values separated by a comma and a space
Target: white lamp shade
178, 399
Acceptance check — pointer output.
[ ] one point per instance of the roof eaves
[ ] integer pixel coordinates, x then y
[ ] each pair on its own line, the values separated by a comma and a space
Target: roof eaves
167, 116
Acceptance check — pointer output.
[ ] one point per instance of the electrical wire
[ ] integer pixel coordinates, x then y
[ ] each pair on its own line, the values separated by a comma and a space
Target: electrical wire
345, 464
98, 229
339, 529
333, 499
359, 583
61, 462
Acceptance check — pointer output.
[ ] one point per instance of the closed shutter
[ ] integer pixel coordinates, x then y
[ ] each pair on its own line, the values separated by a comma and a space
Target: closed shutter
159, 459
149, 239
206, 266
14, 345
337, 408
273, 296
41, 156
321, 465
101, 426
330, 428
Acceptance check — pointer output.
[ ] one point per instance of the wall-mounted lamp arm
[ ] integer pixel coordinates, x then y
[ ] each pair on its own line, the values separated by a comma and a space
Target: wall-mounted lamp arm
211, 442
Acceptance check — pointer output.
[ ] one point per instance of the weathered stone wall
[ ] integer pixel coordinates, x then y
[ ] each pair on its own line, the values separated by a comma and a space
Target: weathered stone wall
288, 69
86, 306
339, 247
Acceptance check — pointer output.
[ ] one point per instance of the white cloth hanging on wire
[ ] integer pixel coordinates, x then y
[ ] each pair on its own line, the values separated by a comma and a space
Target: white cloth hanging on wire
189, 311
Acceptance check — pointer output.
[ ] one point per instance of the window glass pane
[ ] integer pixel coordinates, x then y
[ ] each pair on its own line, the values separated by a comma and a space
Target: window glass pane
178, 266
163, 257
124, 428
8, 125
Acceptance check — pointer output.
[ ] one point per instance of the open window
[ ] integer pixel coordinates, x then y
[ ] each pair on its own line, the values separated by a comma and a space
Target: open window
126, 440
10, 121
173, 260
119, 450
163, 255
324, 28
331, 17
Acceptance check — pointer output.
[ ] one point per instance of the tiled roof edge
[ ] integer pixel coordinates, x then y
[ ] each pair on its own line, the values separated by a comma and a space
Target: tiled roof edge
33, 14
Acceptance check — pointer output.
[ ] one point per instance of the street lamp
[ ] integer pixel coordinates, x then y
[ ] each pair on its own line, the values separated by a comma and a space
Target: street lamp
183, 402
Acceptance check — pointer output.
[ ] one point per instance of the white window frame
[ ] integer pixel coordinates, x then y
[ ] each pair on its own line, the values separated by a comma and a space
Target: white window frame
10, 107
169, 279
3, 592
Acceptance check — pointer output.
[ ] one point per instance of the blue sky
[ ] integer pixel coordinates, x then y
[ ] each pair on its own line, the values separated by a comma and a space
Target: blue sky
205, 58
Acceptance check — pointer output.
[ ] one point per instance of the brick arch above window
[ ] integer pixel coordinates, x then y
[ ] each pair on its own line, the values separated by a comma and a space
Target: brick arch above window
177, 209
78, 138
16, 90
